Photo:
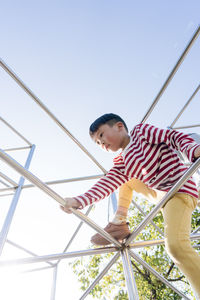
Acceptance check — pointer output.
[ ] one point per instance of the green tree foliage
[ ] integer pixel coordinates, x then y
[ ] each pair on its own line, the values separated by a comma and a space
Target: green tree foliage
112, 285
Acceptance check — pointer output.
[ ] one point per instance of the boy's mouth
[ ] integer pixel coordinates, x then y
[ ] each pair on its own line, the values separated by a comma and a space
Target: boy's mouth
107, 147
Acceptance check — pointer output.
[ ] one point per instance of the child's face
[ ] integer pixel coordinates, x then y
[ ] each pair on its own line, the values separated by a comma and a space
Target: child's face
111, 138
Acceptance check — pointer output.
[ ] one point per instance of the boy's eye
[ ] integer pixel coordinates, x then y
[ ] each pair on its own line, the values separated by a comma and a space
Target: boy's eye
101, 134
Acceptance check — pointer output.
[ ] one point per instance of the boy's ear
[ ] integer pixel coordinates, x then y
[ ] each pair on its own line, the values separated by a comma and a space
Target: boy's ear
120, 125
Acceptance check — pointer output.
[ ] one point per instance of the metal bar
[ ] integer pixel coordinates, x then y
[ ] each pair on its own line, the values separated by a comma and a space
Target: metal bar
11, 211
75, 233
54, 182
35, 180
17, 148
53, 289
171, 75
187, 126
14, 130
8, 179
144, 214
196, 230
149, 243
129, 276
165, 199
38, 269
4, 183
185, 106
97, 251
100, 276
4, 195
45, 258
25, 250
50, 114
155, 273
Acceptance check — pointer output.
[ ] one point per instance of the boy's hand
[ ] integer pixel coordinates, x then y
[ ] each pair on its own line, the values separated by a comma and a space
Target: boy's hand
70, 203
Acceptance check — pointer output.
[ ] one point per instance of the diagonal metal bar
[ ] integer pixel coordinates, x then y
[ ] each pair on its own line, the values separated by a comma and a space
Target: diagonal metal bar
165, 199
13, 129
75, 232
144, 214
184, 107
100, 276
36, 181
50, 114
129, 276
171, 75
25, 250
155, 273
8, 179
4, 183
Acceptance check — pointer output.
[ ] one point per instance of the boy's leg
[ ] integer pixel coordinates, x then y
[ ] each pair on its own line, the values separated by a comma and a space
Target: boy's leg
177, 221
118, 227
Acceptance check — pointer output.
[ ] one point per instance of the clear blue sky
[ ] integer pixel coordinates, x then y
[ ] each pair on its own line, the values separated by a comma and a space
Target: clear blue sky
83, 59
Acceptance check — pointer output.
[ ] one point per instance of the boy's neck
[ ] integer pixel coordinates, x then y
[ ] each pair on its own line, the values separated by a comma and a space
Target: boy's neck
126, 142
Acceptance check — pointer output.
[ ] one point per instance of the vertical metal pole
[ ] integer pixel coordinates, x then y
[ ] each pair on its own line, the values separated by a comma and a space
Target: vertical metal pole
129, 276
53, 289
11, 211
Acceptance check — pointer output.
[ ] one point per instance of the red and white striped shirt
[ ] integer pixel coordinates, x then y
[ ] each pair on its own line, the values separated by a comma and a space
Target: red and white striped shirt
150, 157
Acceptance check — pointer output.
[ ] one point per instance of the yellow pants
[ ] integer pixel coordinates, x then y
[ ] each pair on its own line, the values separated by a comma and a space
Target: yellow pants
177, 223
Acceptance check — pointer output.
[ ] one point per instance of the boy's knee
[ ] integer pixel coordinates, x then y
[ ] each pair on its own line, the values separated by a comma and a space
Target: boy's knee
176, 249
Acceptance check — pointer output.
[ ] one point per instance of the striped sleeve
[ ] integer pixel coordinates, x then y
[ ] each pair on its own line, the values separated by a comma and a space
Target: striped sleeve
104, 187
174, 139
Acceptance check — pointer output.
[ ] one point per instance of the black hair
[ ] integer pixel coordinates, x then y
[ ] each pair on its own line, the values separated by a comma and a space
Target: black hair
109, 119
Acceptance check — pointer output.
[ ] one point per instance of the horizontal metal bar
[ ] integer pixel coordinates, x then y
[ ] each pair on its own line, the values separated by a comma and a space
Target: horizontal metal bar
15, 149
54, 182
187, 126
5, 195
14, 130
50, 114
155, 273
171, 75
185, 106
165, 199
37, 269
141, 244
35, 180
47, 258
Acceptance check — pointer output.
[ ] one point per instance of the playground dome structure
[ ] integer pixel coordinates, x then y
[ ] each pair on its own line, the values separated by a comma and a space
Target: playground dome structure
126, 250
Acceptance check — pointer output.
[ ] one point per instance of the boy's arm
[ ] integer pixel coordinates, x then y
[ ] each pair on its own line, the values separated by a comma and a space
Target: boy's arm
174, 139
103, 188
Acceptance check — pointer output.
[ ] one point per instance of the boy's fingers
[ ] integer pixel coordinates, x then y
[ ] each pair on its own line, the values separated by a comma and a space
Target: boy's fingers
68, 211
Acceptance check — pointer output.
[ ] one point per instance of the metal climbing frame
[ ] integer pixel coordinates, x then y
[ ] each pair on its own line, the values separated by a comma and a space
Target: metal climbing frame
126, 250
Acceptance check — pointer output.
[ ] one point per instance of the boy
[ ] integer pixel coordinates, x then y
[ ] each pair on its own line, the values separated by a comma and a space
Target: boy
148, 154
